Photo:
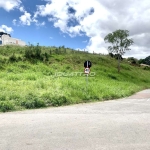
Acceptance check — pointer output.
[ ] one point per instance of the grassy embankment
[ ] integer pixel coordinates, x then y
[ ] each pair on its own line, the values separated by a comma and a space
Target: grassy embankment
27, 80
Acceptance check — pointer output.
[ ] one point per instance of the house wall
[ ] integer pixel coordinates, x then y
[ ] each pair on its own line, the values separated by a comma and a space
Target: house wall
7, 40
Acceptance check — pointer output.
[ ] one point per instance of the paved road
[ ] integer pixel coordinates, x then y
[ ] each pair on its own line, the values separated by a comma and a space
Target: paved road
112, 125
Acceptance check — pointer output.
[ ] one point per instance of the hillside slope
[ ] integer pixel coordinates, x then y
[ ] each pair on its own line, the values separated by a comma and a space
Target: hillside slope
34, 77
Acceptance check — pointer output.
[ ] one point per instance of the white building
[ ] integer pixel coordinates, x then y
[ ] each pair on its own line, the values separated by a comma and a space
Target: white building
6, 39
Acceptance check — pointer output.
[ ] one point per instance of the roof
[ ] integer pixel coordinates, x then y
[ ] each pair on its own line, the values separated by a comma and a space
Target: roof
2, 33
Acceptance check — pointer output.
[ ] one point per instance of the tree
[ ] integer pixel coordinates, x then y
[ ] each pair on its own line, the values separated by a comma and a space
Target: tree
133, 61
145, 61
120, 43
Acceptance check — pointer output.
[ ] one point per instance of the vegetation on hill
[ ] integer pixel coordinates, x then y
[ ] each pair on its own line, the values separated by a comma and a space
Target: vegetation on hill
35, 77
145, 61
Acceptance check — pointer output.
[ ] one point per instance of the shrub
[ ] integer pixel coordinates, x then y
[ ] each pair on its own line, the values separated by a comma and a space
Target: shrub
33, 53
54, 100
6, 106
146, 68
32, 101
133, 60
58, 101
111, 55
2, 97
13, 58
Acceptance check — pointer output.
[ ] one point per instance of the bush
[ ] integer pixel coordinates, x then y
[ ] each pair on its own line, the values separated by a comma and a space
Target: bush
146, 68
111, 55
6, 106
54, 100
59, 101
133, 60
2, 97
13, 58
145, 61
35, 53
30, 104
32, 101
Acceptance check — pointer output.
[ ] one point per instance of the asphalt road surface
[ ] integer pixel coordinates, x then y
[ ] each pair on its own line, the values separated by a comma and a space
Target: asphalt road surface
122, 124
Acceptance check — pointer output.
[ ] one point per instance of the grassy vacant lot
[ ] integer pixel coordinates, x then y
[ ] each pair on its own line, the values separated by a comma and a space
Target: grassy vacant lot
28, 78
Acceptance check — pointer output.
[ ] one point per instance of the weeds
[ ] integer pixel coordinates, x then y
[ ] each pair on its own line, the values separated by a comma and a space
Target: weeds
32, 101
6, 106
28, 81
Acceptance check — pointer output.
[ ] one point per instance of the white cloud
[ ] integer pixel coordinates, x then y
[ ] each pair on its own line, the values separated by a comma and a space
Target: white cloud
79, 49
14, 22
4, 28
9, 4
26, 19
87, 21
41, 24
97, 45
37, 23
97, 18
138, 52
84, 41
22, 9
58, 12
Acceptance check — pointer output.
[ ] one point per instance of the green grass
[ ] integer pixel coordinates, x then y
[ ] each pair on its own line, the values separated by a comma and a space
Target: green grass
28, 84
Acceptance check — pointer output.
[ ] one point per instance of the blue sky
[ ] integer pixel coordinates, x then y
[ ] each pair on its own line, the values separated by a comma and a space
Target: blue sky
46, 35
77, 24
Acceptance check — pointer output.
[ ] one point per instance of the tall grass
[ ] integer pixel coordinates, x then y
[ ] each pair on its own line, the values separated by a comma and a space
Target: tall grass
27, 84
